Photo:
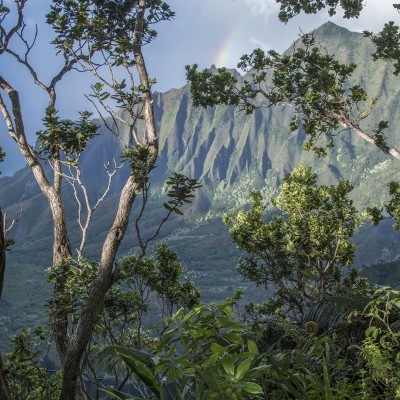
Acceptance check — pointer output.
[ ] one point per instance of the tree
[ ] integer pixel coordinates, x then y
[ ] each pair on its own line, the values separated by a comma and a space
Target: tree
305, 252
106, 39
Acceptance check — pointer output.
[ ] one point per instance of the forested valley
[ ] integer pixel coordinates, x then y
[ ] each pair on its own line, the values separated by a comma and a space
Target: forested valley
235, 238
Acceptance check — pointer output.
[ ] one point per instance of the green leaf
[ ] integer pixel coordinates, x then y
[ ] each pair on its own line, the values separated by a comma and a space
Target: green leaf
253, 349
228, 365
233, 338
227, 310
144, 374
226, 322
243, 368
328, 394
217, 348
251, 387
372, 331
211, 361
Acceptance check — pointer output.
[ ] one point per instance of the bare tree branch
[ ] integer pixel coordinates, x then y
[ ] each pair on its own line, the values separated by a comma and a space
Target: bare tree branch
75, 178
6, 36
347, 123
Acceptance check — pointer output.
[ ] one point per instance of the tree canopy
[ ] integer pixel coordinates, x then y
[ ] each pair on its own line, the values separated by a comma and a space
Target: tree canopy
305, 252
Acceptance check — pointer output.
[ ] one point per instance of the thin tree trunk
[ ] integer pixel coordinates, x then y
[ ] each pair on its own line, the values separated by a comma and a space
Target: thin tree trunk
62, 252
103, 282
2, 252
71, 347
4, 393
61, 245
78, 341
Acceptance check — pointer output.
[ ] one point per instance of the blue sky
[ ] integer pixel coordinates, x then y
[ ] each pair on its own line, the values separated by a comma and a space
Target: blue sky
205, 32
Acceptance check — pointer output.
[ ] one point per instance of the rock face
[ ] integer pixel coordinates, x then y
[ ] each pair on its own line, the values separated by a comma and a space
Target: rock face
231, 154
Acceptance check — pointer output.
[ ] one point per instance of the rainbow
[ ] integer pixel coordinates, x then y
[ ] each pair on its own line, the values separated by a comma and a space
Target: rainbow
227, 46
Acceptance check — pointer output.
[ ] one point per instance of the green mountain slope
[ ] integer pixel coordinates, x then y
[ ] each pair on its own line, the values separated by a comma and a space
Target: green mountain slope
231, 154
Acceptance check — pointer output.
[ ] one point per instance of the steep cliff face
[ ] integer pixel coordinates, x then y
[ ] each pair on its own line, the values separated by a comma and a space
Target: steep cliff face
231, 153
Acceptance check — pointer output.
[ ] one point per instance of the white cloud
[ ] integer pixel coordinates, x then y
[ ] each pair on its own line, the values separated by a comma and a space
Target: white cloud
262, 7
372, 18
257, 43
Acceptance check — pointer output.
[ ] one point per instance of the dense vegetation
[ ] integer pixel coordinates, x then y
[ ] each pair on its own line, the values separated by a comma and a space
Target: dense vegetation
136, 327
324, 335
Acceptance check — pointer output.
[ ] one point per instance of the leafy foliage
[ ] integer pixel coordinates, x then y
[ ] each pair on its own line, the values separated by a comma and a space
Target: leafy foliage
387, 44
381, 346
215, 360
77, 276
147, 289
291, 8
105, 24
65, 136
138, 157
201, 354
206, 353
208, 89
28, 377
392, 207
180, 192
126, 301
335, 311
162, 274
2, 155
301, 254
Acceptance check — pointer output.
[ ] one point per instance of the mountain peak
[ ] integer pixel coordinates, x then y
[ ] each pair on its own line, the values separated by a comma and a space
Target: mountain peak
331, 25
330, 28
214, 69
336, 39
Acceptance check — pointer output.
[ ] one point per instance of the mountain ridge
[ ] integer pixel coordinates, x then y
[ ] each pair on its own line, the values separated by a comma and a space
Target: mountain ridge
231, 152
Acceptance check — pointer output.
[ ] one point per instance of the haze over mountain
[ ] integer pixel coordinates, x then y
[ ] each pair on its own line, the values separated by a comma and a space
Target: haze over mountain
231, 153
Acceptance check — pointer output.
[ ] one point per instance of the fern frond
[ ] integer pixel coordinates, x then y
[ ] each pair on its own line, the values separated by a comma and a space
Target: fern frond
332, 310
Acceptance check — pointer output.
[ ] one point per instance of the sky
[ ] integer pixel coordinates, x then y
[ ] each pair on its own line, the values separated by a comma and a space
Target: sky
204, 32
